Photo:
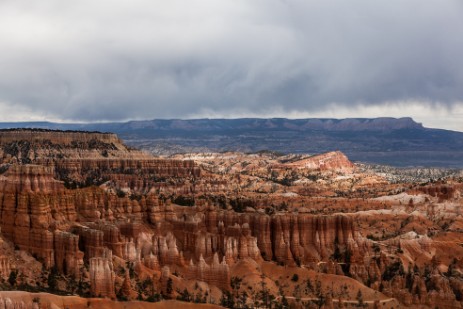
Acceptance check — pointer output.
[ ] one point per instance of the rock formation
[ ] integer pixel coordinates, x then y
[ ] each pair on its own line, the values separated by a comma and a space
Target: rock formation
115, 222
217, 273
334, 161
67, 256
5, 267
102, 275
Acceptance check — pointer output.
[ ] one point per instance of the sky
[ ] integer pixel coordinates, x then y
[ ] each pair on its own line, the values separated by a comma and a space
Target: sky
117, 60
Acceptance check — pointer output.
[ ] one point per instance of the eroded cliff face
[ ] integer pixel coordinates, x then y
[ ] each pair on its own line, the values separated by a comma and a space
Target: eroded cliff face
139, 226
81, 159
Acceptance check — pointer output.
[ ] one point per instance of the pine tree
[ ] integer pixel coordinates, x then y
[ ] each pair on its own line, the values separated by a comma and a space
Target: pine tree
360, 299
12, 278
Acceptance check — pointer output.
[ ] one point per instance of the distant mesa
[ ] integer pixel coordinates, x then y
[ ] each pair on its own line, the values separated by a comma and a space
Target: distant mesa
331, 124
82, 158
61, 137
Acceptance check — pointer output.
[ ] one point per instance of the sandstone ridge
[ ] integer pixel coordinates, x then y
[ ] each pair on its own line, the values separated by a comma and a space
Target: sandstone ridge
62, 138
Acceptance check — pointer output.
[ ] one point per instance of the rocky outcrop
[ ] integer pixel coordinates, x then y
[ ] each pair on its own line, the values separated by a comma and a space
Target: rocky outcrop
8, 303
25, 209
288, 238
102, 275
30, 179
72, 139
85, 158
334, 161
166, 250
5, 266
68, 257
216, 273
152, 262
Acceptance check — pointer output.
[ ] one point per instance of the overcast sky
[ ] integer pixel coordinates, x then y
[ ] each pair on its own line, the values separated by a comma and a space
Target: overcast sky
92, 60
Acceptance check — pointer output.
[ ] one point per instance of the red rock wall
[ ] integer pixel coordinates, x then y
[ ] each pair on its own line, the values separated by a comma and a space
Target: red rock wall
68, 257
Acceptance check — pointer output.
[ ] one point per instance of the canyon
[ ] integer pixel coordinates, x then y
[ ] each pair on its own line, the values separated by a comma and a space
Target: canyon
88, 218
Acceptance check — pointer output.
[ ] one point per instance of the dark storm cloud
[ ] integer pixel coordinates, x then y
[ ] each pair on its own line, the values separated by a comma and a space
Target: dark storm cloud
113, 60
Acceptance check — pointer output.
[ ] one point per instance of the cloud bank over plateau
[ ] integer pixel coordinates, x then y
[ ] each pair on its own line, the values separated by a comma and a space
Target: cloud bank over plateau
139, 59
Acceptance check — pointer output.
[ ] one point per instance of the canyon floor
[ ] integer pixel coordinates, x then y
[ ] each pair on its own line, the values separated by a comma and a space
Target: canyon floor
87, 222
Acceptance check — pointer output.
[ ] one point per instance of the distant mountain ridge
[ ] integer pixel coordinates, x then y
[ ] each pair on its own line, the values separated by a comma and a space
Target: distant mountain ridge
205, 124
351, 124
393, 141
